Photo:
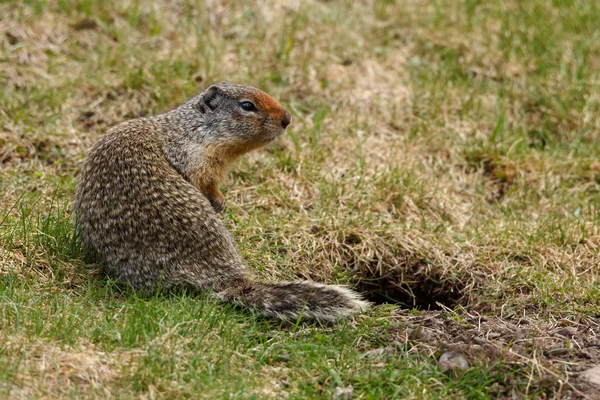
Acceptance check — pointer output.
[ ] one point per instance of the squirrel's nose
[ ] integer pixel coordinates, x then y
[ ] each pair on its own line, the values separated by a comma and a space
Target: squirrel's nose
287, 118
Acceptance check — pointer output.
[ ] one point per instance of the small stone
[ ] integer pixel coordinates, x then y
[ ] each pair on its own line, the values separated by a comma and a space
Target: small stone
567, 332
511, 326
561, 351
592, 375
494, 335
480, 340
451, 361
586, 354
344, 392
86, 24
424, 334
519, 334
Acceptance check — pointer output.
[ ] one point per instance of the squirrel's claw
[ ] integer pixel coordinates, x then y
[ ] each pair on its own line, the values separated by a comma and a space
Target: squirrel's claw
217, 201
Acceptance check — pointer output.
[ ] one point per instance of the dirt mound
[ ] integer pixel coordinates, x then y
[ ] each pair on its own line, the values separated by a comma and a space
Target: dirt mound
555, 352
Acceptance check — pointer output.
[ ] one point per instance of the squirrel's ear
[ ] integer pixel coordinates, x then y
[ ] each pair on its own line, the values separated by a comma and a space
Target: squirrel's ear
207, 99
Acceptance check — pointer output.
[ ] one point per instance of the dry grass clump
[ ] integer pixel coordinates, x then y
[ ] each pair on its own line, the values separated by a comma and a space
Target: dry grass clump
51, 371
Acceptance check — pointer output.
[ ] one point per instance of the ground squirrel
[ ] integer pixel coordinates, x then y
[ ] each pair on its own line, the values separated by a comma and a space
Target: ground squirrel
147, 202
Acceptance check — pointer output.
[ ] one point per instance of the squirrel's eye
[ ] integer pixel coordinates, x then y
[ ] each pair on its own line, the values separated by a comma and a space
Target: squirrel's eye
248, 106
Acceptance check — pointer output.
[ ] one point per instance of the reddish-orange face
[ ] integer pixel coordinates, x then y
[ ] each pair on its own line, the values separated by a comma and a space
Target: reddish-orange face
272, 116
269, 105
245, 115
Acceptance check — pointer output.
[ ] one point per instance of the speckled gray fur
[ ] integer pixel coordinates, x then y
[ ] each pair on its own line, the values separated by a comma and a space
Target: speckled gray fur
136, 205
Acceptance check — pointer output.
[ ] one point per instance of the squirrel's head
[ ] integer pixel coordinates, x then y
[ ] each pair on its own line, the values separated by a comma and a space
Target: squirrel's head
242, 115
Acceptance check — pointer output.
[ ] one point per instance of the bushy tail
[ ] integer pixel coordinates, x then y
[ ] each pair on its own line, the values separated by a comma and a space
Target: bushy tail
293, 300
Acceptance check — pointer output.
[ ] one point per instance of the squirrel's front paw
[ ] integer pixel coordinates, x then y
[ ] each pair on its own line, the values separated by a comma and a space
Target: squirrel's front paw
218, 202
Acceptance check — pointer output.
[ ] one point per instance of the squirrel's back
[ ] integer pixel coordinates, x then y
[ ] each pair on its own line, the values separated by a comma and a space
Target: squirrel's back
147, 203
140, 215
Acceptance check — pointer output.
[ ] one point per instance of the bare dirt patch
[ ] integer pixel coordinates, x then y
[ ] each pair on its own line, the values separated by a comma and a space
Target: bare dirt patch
556, 351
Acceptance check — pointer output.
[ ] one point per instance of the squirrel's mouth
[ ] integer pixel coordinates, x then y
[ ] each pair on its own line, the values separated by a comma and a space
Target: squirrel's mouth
274, 135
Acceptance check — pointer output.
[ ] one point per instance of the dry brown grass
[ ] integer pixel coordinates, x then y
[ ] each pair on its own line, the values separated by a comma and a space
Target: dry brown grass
49, 371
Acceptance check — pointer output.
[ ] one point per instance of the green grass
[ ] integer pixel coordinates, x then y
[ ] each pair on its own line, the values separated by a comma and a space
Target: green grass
65, 338
439, 151
189, 345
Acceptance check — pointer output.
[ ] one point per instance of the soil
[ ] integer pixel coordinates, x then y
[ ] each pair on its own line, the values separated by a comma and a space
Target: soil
556, 351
